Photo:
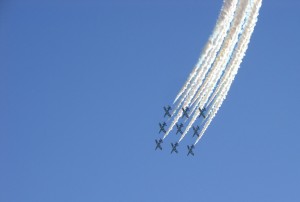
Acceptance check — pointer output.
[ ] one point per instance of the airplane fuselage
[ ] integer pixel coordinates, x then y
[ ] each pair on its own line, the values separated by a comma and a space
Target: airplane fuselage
179, 127
190, 150
196, 131
167, 111
158, 144
202, 112
174, 146
185, 114
162, 127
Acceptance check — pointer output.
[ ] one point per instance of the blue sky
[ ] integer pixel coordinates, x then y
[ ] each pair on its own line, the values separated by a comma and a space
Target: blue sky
82, 88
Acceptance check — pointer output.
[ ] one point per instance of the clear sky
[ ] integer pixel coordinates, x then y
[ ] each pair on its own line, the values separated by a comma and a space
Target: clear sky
83, 84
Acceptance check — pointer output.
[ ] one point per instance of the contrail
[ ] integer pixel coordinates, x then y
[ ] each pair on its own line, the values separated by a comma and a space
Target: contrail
214, 44
223, 22
224, 55
209, 57
239, 53
209, 82
220, 62
227, 71
236, 61
196, 83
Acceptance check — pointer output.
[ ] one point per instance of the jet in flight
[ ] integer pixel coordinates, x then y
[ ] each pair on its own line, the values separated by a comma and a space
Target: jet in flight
162, 127
185, 112
190, 150
196, 131
174, 147
167, 111
179, 127
158, 144
202, 112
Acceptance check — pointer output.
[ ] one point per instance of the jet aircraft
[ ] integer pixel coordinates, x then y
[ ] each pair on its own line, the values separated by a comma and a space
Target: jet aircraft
185, 112
174, 147
179, 127
167, 111
162, 127
196, 129
190, 150
202, 112
158, 144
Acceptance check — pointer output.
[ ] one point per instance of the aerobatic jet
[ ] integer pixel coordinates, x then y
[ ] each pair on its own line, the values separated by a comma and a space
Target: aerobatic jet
190, 150
158, 144
185, 112
196, 131
202, 112
179, 127
167, 111
162, 127
174, 147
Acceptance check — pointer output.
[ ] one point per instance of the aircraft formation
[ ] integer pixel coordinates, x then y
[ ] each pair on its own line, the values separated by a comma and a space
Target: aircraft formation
179, 129
208, 84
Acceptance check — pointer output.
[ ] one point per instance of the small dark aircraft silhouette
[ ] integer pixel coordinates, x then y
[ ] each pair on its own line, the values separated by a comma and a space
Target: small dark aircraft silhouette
162, 127
196, 131
174, 147
158, 144
190, 150
179, 127
185, 112
167, 111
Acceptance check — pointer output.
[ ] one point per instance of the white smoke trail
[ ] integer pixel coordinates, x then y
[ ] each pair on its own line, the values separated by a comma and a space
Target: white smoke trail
212, 77
227, 70
209, 57
206, 66
226, 17
191, 91
227, 11
228, 47
220, 63
225, 54
235, 62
